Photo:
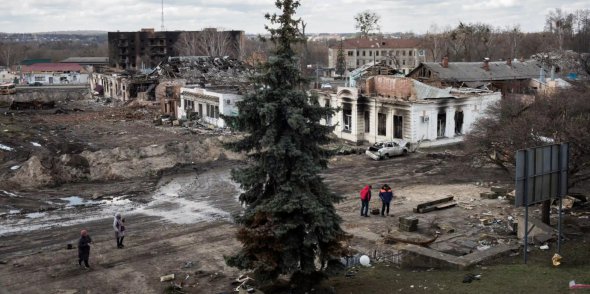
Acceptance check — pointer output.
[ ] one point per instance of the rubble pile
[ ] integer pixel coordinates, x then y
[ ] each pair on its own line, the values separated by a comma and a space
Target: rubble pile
214, 71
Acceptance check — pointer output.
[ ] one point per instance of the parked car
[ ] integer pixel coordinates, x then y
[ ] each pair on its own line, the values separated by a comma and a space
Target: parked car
34, 84
391, 148
326, 86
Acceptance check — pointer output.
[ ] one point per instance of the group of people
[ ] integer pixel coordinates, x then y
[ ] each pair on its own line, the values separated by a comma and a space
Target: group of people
385, 195
85, 240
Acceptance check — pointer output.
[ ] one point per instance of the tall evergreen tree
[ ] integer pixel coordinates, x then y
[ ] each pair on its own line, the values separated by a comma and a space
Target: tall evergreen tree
340, 60
289, 221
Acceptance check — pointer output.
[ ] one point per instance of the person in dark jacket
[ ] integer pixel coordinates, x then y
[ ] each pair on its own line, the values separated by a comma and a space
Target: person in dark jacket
365, 198
84, 249
386, 195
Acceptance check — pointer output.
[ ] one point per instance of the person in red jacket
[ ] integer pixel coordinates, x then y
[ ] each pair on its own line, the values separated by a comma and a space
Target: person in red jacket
365, 198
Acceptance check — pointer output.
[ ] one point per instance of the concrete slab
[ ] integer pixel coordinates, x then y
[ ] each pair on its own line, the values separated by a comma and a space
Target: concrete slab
537, 230
421, 257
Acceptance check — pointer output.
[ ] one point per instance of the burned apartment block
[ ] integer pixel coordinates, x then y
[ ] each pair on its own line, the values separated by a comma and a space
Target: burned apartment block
147, 48
402, 54
387, 107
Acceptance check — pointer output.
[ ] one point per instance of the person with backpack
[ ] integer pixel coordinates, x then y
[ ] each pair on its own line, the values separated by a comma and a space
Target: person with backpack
386, 195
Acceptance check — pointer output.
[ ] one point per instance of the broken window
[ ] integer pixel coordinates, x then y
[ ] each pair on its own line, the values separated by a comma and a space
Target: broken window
403, 52
350, 53
367, 122
459, 122
382, 124
410, 53
441, 124
347, 117
370, 53
398, 126
404, 62
363, 52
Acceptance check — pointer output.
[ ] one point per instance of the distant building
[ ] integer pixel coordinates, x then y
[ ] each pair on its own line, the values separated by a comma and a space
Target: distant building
54, 73
511, 77
147, 48
401, 54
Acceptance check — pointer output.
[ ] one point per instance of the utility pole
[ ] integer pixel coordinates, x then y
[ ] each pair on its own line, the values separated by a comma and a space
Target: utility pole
162, 28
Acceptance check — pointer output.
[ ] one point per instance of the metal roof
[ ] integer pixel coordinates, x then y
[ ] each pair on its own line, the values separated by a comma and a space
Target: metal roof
474, 71
86, 60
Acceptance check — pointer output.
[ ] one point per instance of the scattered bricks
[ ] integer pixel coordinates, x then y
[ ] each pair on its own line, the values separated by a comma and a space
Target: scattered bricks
488, 195
408, 223
175, 123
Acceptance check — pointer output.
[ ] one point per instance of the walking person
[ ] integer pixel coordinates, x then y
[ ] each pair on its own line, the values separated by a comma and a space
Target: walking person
119, 226
84, 249
365, 198
386, 195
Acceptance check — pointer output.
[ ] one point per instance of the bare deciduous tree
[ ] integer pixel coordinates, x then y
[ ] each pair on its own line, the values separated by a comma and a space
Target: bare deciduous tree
209, 42
367, 22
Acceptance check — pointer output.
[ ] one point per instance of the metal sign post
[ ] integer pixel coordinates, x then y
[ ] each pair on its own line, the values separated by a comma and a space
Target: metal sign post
541, 174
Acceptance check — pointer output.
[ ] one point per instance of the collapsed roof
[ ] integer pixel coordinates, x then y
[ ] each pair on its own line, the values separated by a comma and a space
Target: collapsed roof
474, 71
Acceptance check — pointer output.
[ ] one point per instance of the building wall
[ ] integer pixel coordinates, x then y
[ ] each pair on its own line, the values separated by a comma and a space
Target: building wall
57, 78
415, 127
115, 87
407, 57
201, 100
131, 49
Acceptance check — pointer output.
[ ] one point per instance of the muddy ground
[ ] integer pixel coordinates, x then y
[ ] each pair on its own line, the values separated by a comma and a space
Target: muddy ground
174, 188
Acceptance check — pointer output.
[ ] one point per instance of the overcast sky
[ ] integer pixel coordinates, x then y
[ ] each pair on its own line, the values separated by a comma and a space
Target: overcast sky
248, 15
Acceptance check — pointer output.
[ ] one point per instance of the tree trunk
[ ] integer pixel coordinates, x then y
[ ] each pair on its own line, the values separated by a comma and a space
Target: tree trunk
546, 211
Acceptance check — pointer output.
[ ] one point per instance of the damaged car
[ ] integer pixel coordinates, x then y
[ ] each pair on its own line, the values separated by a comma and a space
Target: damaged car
387, 149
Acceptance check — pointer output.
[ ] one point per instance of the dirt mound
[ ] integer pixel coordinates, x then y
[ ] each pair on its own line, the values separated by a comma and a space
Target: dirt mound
118, 163
33, 174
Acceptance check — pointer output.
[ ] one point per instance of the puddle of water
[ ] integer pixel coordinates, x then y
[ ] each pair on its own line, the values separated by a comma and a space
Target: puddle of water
8, 193
77, 201
5, 148
36, 214
183, 200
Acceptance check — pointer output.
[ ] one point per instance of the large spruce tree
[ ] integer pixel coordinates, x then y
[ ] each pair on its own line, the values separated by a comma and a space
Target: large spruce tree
289, 226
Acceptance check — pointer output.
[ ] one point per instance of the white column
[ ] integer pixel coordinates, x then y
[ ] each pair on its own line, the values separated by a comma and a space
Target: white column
450, 124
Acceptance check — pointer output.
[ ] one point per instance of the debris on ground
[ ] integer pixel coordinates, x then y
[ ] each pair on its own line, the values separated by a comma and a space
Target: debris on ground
573, 285
408, 223
556, 259
167, 278
471, 277
439, 204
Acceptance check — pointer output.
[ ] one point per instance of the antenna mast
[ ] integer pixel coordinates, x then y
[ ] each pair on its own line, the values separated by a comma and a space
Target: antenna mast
162, 28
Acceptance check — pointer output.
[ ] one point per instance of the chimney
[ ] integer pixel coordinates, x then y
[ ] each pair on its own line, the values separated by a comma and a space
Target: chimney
509, 61
486, 64
445, 62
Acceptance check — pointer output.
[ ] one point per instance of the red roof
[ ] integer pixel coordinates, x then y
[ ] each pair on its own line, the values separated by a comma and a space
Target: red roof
376, 43
52, 67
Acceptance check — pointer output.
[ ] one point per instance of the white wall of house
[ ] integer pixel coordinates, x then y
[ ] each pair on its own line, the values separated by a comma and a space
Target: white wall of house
58, 78
420, 120
408, 58
6, 76
208, 104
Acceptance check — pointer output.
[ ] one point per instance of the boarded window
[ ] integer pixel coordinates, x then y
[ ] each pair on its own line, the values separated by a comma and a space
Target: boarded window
398, 126
382, 124
441, 124
367, 122
459, 122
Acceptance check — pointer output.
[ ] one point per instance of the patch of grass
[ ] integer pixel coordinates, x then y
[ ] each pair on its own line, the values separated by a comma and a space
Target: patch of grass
508, 275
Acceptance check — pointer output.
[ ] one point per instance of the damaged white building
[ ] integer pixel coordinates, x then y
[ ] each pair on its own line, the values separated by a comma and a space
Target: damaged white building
208, 104
387, 107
